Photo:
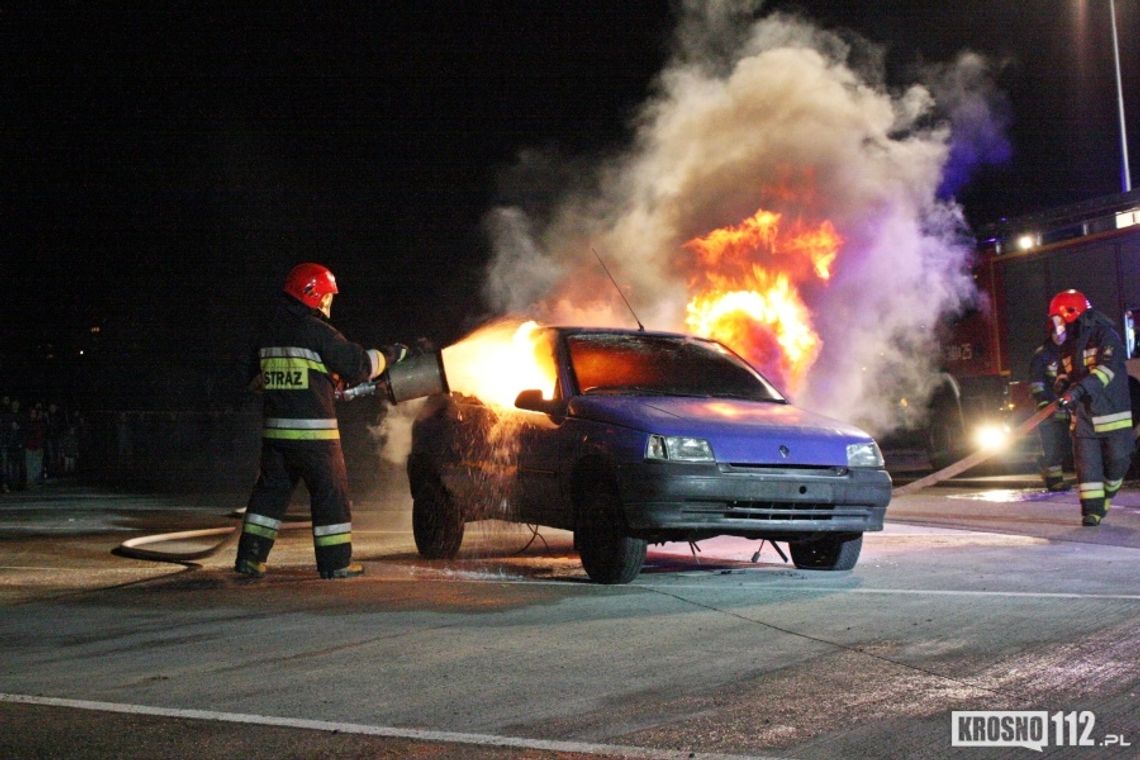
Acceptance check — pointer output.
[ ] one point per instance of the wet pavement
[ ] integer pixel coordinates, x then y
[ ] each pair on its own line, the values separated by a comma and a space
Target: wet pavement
986, 595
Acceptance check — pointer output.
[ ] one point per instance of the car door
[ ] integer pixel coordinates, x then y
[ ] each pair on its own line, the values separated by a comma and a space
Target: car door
543, 458
545, 452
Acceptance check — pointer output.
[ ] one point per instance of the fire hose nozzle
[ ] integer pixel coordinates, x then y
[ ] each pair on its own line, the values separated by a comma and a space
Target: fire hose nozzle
364, 389
414, 377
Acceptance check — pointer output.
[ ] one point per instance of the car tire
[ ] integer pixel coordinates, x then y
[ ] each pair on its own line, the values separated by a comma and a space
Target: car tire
839, 552
608, 554
437, 522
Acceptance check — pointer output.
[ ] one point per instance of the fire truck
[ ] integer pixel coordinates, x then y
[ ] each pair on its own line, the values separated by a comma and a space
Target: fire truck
1020, 264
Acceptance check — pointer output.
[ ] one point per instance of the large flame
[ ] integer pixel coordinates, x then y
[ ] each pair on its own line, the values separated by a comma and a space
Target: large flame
499, 360
746, 281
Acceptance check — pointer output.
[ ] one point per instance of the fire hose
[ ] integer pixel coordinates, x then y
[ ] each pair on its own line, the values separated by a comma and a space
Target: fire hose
977, 457
135, 547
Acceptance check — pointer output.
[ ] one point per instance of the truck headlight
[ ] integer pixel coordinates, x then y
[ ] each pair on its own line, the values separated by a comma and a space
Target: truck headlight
992, 437
864, 455
679, 448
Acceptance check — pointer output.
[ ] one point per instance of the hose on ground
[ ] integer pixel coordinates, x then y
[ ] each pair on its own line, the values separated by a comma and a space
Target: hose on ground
135, 548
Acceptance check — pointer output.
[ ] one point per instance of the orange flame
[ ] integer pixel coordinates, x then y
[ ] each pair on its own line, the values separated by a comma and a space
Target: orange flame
498, 361
747, 282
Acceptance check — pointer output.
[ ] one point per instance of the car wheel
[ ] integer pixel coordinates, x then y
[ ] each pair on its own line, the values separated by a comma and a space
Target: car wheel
828, 552
437, 522
608, 554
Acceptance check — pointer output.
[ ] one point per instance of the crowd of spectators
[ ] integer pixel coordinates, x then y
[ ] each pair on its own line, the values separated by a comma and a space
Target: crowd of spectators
38, 442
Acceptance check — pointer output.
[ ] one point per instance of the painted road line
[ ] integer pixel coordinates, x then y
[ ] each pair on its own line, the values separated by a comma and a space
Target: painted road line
450, 737
475, 577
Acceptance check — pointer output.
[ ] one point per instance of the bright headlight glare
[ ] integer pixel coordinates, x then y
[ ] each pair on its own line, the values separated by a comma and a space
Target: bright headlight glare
864, 455
678, 448
992, 437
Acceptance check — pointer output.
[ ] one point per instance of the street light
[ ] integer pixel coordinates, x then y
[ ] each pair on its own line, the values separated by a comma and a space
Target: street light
1126, 177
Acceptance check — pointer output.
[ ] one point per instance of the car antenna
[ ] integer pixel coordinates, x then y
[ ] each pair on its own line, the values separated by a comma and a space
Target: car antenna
607, 271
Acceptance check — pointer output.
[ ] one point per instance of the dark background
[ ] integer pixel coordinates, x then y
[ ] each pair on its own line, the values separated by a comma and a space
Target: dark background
167, 163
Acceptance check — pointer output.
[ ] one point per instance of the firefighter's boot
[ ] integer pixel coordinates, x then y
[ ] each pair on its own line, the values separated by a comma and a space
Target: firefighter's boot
333, 546
258, 534
352, 570
1054, 477
249, 567
1093, 519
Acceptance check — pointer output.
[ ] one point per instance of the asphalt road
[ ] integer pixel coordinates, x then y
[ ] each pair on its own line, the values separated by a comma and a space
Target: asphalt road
984, 596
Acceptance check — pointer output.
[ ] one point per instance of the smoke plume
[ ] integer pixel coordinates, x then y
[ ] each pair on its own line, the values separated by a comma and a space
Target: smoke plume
774, 113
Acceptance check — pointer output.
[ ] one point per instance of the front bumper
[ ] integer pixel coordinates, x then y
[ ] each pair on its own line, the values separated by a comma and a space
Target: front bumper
664, 500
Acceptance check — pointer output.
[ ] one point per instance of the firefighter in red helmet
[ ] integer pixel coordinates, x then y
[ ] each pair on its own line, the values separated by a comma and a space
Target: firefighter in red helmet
295, 363
1093, 384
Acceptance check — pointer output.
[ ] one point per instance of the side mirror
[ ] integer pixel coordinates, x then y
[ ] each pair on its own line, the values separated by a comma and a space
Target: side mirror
533, 401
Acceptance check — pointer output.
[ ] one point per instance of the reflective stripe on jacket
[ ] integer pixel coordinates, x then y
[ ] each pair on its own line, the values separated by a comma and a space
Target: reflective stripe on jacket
297, 360
1093, 358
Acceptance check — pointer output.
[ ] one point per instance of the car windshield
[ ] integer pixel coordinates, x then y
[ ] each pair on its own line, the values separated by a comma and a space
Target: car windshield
663, 365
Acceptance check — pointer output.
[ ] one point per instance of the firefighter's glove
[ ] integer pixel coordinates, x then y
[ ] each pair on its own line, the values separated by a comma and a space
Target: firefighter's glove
1069, 398
395, 353
1061, 384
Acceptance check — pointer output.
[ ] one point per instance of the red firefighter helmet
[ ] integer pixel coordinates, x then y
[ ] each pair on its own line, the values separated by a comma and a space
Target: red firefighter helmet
310, 283
1069, 304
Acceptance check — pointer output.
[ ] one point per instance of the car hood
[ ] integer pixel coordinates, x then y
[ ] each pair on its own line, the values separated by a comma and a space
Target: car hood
740, 432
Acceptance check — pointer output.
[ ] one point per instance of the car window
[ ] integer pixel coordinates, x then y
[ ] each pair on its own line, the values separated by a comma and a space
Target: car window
664, 365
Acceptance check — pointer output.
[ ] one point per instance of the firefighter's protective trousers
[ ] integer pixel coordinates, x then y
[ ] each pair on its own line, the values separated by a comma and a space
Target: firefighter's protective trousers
1092, 361
1101, 462
322, 469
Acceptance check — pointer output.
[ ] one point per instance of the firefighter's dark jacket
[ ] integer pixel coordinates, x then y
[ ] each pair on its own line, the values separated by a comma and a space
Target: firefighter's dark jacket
1093, 358
293, 362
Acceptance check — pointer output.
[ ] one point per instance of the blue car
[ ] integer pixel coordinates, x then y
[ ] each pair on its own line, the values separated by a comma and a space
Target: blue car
646, 437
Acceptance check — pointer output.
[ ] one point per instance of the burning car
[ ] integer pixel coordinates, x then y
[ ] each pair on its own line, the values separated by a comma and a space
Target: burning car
633, 437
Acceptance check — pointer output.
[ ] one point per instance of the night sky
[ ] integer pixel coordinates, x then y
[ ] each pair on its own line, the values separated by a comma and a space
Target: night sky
167, 163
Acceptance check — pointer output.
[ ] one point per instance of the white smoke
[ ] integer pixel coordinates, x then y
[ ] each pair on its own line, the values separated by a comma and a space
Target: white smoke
774, 113
393, 433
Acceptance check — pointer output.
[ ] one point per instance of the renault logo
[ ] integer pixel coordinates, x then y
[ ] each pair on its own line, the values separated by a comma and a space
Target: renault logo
784, 451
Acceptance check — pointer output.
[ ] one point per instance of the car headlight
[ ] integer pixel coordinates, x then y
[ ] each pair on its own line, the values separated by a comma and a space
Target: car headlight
678, 448
864, 455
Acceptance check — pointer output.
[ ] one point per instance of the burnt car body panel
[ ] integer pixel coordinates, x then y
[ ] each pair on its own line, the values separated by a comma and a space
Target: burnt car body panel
780, 472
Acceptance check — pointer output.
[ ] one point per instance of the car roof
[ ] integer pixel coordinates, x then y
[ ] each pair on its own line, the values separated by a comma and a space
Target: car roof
578, 330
